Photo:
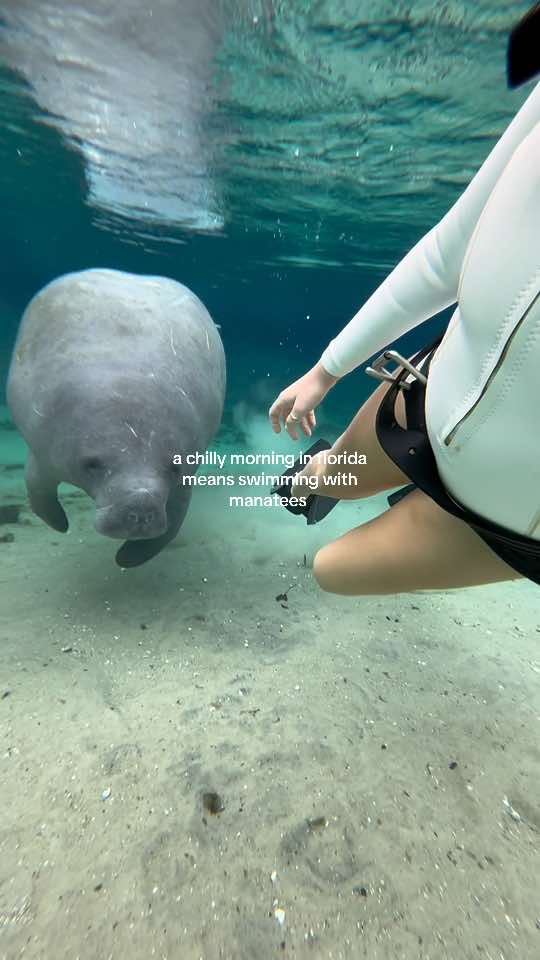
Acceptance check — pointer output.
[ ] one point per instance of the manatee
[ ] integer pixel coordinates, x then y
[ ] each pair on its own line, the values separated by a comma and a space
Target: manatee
112, 376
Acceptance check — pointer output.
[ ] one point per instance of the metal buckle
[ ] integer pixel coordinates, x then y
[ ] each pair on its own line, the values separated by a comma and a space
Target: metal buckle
379, 371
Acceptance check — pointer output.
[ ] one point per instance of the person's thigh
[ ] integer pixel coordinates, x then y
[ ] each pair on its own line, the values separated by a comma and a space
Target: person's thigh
379, 472
416, 545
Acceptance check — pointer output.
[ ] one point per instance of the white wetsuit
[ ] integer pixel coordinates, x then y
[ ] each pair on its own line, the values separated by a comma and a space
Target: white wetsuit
483, 393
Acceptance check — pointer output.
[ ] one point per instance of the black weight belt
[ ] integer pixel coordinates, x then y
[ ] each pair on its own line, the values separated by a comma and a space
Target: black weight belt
411, 451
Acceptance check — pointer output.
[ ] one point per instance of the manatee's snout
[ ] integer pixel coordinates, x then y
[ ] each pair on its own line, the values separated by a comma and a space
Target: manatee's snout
139, 516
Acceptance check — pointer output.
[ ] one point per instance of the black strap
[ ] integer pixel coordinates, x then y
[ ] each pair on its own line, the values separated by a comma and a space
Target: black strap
410, 448
411, 451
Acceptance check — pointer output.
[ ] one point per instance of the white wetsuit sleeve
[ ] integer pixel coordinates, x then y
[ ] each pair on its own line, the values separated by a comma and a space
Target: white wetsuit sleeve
426, 280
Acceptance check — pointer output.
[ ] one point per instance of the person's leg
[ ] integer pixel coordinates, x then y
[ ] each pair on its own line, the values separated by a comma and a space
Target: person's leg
416, 545
413, 546
362, 480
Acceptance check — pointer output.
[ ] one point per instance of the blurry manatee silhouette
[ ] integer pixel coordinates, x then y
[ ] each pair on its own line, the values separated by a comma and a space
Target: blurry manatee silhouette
129, 84
112, 376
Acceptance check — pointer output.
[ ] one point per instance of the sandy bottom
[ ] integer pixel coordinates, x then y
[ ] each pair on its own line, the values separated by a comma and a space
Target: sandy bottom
194, 768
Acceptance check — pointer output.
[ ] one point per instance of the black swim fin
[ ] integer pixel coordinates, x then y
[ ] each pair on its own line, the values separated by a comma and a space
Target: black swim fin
523, 53
317, 507
399, 494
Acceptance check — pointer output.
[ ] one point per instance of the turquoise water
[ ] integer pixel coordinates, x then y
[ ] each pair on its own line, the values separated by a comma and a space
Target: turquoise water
333, 135
207, 757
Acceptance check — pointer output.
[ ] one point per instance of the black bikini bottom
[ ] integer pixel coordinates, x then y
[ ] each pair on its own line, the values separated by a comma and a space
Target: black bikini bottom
411, 451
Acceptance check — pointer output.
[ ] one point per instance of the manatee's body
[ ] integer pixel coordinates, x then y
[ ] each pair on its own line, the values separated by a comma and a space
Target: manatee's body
113, 375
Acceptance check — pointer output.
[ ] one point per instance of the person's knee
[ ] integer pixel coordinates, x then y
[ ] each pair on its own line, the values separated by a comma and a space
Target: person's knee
333, 576
323, 570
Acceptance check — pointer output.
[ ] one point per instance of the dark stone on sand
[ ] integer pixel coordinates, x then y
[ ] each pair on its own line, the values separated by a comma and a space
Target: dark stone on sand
213, 803
9, 513
316, 823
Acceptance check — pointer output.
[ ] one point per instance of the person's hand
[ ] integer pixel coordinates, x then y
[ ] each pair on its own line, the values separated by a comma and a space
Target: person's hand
296, 404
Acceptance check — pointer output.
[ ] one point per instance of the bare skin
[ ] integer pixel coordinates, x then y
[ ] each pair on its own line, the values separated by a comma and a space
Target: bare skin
414, 546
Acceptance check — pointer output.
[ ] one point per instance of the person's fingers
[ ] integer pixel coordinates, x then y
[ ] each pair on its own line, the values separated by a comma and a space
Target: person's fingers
278, 412
294, 416
275, 421
306, 426
291, 425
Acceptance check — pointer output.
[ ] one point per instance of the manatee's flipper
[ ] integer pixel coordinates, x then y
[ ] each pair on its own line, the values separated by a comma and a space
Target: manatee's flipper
42, 493
133, 553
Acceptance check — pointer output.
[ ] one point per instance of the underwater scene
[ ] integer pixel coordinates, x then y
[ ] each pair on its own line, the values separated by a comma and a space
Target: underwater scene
228, 733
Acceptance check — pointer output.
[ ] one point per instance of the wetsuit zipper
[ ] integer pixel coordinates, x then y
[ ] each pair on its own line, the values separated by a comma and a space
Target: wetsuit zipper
450, 436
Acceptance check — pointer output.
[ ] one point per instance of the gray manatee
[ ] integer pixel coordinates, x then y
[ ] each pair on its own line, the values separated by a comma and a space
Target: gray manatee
112, 375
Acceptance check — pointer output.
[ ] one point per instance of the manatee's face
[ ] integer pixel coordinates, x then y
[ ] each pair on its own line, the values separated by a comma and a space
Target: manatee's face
130, 506
130, 497
124, 464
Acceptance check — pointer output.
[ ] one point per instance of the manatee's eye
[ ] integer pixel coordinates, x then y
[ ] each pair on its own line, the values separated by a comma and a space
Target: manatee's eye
92, 464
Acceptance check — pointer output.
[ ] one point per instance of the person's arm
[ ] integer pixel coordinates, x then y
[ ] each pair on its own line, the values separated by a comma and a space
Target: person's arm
426, 280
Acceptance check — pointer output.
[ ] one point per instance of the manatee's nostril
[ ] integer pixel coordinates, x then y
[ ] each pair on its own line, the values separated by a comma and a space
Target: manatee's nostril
141, 519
